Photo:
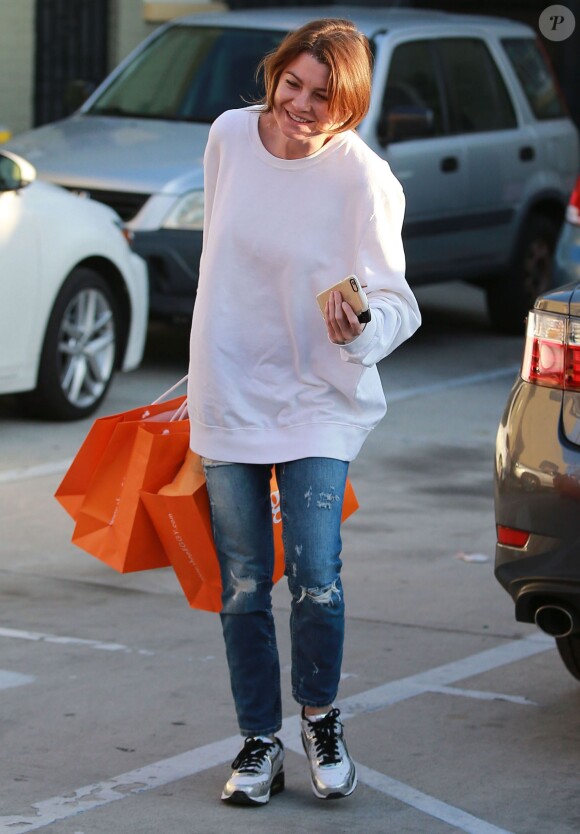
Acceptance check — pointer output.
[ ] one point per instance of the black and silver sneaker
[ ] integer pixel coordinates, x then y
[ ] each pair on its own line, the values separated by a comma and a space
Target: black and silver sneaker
332, 771
258, 773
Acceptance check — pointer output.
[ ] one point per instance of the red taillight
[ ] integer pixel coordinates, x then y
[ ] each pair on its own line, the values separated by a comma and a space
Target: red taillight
573, 355
573, 210
511, 536
552, 351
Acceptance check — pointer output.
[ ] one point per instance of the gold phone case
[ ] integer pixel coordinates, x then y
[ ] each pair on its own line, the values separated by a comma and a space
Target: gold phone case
351, 292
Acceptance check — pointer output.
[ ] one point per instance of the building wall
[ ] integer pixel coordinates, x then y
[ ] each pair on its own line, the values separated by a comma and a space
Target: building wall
16, 63
127, 28
130, 21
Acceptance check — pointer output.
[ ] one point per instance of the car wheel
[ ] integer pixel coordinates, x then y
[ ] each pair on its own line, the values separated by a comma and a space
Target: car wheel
510, 297
79, 354
569, 649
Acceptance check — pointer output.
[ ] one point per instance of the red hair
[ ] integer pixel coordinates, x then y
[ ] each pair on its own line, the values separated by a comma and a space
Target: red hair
339, 45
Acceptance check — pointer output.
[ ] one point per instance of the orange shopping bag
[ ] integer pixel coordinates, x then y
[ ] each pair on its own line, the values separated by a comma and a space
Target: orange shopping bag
73, 488
121, 455
112, 523
181, 515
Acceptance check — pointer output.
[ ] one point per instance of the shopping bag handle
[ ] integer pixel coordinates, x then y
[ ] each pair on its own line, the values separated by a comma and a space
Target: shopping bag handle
170, 390
181, 412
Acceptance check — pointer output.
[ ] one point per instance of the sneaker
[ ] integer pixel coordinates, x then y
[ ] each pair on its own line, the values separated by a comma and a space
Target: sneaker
332, 771
258, 772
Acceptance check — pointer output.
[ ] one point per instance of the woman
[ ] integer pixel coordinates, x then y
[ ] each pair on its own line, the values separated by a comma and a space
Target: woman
295, 202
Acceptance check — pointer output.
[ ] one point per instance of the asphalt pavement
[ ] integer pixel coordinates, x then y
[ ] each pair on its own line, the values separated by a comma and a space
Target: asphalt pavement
115, 708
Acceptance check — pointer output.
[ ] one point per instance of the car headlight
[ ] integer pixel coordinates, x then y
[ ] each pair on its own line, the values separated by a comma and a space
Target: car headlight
187, 213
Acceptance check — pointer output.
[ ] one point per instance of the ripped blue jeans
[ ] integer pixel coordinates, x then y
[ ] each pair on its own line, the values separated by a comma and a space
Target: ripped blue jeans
311, 496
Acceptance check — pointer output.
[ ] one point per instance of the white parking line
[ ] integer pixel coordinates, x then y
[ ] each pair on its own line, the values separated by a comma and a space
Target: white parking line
146, 778
36, 636
457, 382
434, 679
8, 680
482, 696
24, 473
199, 759
425, 803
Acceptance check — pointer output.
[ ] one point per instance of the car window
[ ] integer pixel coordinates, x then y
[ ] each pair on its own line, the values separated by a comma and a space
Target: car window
412, 82
536, 78
478, 97
190, 73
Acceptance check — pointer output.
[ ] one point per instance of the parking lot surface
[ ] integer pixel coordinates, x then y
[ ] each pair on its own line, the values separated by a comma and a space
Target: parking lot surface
116, 714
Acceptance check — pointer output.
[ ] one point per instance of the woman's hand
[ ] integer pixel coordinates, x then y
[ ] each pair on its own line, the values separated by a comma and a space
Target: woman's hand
341, 321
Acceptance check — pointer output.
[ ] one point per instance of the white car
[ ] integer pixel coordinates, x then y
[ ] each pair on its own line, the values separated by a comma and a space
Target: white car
73, 296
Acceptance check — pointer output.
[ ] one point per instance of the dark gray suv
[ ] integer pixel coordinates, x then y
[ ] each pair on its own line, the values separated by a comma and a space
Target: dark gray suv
537, 476
465, 110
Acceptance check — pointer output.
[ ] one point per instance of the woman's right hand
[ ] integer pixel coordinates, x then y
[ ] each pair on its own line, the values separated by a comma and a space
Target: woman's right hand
342, 323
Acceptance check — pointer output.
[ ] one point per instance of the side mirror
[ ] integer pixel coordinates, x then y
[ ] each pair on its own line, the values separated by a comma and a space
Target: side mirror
15, 172
403, 122
76, 93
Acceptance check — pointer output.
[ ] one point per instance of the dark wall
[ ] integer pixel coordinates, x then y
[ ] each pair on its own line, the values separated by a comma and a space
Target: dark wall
71, 43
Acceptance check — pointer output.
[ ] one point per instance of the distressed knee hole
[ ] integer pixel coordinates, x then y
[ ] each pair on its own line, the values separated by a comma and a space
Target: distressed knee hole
243, 585
321, 596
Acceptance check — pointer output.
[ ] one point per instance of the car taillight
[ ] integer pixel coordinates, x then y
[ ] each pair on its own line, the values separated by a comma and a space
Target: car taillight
552, 351
511, 536
573, 210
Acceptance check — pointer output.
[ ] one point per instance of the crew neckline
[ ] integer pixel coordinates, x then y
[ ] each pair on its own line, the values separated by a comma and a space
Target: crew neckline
289, 164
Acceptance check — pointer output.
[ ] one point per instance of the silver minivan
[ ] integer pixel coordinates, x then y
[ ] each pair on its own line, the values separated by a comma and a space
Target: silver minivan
465, 109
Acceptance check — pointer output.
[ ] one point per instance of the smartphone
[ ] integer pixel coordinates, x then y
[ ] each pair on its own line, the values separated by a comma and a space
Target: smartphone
353, 293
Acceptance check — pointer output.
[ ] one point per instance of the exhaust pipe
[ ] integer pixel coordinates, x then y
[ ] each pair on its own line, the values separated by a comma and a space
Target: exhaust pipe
556, 620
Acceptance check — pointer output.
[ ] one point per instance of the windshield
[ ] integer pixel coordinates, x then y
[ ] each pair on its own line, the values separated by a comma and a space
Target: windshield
190, 74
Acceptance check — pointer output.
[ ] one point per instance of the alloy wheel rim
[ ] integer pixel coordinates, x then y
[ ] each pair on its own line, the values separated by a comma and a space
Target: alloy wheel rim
86, 348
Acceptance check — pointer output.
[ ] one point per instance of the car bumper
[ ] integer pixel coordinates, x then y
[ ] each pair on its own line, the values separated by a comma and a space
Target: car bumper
548, 567
172, 257
138, 288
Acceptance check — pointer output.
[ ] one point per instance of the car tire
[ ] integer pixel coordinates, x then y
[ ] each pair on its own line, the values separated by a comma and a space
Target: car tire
569, 650
510, 297
79, 352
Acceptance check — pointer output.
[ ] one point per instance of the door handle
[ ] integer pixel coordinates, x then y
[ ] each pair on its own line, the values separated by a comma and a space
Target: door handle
527, 153
449, 164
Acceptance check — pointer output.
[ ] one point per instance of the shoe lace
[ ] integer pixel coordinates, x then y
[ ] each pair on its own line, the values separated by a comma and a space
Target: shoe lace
326, 732
252, 755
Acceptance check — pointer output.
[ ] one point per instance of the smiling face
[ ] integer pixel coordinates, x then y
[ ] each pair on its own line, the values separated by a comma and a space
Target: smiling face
300, 108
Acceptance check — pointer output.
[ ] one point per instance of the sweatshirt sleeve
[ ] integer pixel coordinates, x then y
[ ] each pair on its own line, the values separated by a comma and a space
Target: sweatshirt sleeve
380, 264
210, 173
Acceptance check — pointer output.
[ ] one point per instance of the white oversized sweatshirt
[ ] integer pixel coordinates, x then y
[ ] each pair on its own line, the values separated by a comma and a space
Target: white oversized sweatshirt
266, 384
